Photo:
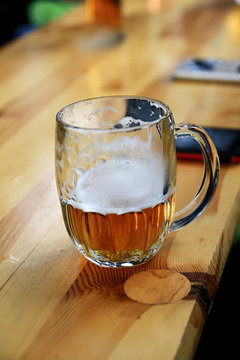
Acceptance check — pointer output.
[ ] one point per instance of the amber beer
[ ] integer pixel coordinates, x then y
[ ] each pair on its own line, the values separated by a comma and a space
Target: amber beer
104, 12
118, 212
118, 238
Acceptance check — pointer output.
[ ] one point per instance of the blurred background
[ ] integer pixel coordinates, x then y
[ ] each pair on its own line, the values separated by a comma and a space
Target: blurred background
19, 17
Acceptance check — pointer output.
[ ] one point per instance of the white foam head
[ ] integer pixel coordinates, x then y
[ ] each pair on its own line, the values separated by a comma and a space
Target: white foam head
120, 185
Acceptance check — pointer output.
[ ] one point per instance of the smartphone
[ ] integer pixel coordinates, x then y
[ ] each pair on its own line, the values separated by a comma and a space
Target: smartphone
227, 142
208, 69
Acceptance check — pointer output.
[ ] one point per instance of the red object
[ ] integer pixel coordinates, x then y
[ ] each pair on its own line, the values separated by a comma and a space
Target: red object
199, 157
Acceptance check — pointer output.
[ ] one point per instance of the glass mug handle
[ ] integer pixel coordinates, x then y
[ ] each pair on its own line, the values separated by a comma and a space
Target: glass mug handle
209, 180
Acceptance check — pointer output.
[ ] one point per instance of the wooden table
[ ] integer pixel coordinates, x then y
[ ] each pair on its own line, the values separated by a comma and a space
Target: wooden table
53, 303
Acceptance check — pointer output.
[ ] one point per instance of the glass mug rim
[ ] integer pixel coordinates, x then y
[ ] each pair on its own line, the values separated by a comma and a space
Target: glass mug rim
147, 124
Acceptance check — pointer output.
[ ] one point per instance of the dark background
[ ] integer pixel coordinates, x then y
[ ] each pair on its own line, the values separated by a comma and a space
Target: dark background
221, 336
12, 17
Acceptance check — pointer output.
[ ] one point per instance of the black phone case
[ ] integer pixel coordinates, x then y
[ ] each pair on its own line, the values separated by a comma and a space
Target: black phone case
227, 142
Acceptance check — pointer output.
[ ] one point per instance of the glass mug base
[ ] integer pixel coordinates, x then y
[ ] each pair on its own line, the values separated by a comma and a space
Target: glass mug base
126, 258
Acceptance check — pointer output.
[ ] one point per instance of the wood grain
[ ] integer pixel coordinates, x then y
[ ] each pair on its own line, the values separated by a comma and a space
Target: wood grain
53, 303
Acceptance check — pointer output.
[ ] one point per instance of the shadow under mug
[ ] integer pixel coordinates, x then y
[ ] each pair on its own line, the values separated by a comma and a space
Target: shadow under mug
116, 177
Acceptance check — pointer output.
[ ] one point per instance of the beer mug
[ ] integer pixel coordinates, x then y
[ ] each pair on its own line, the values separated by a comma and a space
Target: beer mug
116, 177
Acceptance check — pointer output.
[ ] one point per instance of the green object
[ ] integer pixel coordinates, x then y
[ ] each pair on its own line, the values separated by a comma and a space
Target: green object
236, 239
41, 12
